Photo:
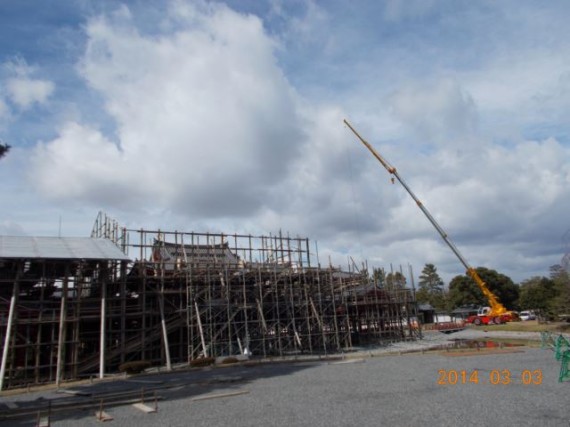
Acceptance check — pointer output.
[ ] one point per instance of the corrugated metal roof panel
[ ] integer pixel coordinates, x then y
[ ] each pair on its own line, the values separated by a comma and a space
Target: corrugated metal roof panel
25, 247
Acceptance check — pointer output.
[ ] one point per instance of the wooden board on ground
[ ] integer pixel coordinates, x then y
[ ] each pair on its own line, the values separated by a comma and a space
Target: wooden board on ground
348, 361
103, 416
219, 395
478, 353
145, 408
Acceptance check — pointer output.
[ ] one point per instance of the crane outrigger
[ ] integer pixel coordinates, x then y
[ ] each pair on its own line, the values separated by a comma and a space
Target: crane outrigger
496, 313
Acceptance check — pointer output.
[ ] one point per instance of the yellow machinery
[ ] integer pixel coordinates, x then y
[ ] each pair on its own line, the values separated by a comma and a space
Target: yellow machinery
497, 310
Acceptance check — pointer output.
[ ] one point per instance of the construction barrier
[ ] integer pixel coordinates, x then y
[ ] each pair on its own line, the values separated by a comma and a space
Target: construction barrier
562, 345
561, 348
565, 367
546, 340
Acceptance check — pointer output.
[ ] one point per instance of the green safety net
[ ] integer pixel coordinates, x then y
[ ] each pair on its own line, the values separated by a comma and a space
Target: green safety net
546, 340
562, 345
565, 367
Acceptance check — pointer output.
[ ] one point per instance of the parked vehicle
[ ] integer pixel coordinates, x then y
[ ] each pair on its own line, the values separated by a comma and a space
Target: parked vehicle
527, 315
485, 316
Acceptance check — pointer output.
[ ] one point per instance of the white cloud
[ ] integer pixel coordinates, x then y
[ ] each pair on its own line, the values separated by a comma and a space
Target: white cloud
311, 26
81, 161
534, 83
437, 112
206, 121
4, 110
25, 92
21, 88
211, 134
397, 10
11, 228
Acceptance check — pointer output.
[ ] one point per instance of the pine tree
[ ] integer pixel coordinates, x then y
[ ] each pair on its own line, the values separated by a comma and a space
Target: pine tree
430, 280
431, 287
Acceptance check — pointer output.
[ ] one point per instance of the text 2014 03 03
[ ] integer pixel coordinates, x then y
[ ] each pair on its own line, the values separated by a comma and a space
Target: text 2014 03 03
452, 377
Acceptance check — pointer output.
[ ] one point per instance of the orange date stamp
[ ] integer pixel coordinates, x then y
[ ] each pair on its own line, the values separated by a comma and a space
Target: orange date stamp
447, 377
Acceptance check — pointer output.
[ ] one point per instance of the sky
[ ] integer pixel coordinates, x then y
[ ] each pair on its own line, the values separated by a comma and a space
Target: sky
213, 116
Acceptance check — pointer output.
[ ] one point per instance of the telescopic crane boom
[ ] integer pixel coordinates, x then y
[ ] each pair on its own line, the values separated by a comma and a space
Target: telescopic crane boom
497, 308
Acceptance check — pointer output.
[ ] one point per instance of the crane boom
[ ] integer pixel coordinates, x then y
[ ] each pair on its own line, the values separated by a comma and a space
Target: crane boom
497, 308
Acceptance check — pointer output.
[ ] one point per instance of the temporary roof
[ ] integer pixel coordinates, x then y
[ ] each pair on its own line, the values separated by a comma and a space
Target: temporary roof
68, 248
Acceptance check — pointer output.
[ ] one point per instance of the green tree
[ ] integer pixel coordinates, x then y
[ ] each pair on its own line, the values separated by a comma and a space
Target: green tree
379, 277
395, 281
538, 293
431, 288
436, 300
430, 280
463, 290
561, 279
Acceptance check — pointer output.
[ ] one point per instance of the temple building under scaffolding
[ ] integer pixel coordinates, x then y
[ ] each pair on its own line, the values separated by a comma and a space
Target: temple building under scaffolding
72, 308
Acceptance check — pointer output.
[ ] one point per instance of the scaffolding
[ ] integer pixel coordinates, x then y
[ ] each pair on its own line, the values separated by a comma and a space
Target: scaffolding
188, 295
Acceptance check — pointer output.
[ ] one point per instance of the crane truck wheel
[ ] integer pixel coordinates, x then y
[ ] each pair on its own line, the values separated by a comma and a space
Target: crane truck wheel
497, 320
477, 321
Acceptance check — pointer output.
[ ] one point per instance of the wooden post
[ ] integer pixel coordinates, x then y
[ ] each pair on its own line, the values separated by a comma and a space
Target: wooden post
103, 272
8, 336
123, 308
163, 323
61, 336
40, 325
201, 330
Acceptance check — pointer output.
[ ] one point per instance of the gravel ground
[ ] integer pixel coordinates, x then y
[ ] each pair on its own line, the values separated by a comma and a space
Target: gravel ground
368, 389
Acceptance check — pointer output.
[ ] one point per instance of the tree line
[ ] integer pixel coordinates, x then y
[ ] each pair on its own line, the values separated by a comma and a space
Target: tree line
548, 295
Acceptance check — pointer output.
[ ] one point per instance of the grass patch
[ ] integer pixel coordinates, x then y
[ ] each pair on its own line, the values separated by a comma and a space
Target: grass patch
528, 326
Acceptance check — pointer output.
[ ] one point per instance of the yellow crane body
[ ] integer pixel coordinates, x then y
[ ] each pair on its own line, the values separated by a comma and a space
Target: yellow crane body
497, 309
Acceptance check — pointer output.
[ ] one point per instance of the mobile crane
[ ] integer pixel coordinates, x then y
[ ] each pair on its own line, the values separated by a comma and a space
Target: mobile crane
496, 312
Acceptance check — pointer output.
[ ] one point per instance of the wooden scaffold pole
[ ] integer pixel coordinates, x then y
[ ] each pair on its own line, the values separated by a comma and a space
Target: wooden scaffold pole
8, 336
